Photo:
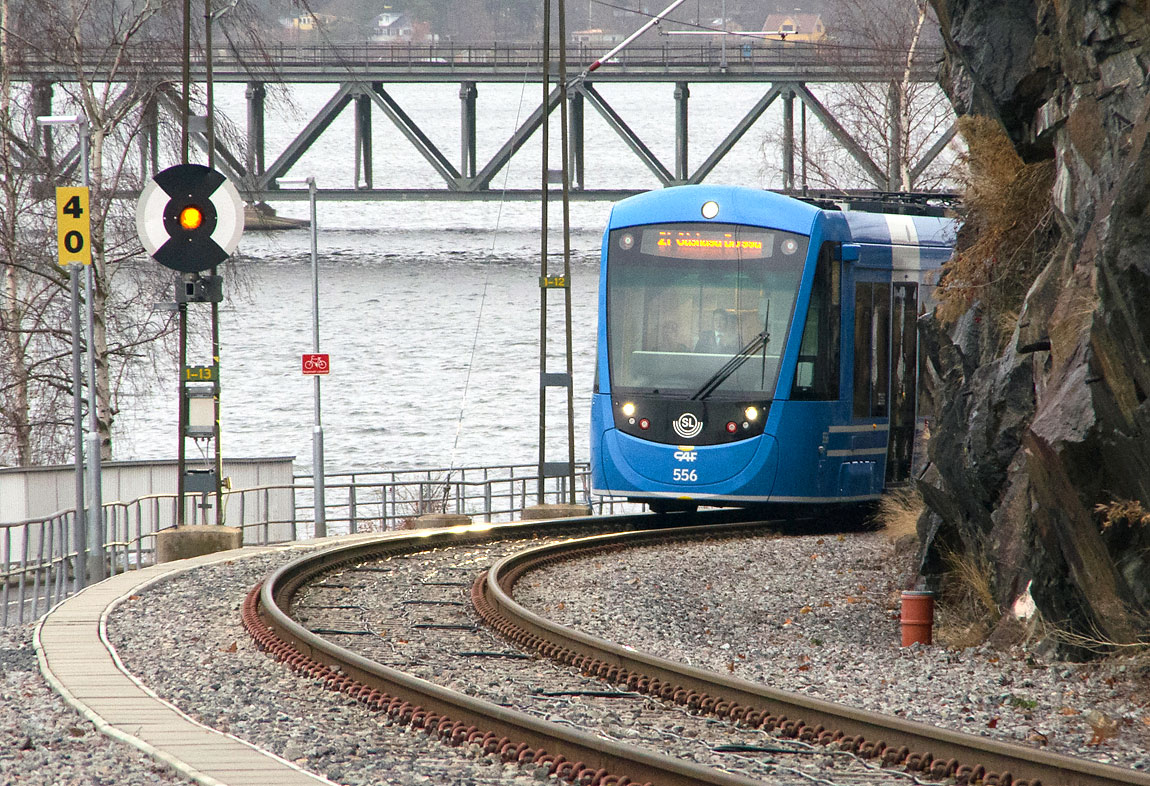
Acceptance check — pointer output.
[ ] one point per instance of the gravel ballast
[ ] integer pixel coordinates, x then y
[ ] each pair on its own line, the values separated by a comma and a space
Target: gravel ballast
808, 614
818, 615
45, 742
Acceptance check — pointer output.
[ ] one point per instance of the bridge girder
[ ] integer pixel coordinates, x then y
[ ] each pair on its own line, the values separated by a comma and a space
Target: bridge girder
472, 178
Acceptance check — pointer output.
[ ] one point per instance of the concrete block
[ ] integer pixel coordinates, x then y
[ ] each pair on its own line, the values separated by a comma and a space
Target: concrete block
196, 540
442, 520
555, 511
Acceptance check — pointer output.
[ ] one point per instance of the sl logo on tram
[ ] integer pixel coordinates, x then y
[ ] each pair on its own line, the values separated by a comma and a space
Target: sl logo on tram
688, 425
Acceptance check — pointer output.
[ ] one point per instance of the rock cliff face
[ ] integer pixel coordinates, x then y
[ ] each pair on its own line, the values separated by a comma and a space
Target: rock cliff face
1039, 426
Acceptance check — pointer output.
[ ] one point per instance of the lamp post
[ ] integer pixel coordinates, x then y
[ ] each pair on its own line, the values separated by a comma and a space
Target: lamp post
320, 514
723, 39
88, 540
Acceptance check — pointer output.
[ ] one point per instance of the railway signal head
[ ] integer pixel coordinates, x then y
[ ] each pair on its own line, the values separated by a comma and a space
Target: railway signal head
190, 218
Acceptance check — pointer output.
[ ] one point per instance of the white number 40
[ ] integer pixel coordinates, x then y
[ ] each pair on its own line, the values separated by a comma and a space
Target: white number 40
689, 475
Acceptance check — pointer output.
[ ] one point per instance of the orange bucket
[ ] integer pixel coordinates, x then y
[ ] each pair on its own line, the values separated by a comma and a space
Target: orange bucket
917, 617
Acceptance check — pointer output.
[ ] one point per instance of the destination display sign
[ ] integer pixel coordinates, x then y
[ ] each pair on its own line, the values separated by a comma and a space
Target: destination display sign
707, 244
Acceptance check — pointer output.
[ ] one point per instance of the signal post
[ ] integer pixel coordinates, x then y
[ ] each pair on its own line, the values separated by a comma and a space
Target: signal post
190, 219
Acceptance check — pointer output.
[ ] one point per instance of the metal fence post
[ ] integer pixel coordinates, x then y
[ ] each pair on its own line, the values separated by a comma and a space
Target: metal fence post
23, 577
36, 575
139, 535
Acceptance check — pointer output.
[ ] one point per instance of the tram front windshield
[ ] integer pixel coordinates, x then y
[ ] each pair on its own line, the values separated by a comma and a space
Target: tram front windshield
684, 299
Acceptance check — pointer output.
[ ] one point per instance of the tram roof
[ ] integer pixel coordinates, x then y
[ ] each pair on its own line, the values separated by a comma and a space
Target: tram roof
739, 205
736, 205
898, 229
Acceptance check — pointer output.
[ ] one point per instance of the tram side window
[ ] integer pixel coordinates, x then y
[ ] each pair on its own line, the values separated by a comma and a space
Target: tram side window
872, 349
817, 374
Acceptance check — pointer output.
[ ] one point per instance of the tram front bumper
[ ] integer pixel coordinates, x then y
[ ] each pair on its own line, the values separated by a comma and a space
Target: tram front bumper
741, 471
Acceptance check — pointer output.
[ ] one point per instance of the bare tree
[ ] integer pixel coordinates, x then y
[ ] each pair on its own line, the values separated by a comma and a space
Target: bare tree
895, 122
101, 45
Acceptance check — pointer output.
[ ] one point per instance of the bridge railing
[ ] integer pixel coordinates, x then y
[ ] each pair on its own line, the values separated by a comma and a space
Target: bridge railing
39, 560
672, 53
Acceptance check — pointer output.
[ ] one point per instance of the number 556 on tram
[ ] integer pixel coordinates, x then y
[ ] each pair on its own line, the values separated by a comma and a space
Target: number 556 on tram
756, 349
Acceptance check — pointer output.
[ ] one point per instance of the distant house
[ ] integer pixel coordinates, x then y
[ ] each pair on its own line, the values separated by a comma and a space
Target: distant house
393, 27
596, 37
305, 22
795, 27
308, 22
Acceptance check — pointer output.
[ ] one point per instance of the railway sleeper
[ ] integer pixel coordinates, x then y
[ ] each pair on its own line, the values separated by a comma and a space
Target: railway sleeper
890, 757
450, 731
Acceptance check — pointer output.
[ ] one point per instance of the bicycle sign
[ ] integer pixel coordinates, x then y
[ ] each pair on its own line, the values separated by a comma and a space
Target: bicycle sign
315, 363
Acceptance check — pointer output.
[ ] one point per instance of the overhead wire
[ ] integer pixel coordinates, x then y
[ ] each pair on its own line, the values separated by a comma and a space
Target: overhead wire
486, 282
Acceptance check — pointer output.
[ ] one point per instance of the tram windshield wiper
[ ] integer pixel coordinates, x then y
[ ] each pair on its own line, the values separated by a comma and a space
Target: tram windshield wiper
757, 343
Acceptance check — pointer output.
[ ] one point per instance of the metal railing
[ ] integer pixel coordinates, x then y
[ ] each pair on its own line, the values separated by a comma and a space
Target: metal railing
674, 54
381, 501
39, 560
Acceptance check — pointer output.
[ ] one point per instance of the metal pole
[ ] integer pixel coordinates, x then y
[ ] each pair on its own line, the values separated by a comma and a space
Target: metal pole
546, 139
788, 140
317, 430
656, 19
723, 39
564, 133
79, 523
216, 429
894, 143
218, 459
803, 107
182, 409
682, 94
96, 513
95, 510
186, 80
79, 533
209, 82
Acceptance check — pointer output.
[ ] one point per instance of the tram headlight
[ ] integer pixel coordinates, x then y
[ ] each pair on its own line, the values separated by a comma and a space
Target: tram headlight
710, 209
751, 414
629, 409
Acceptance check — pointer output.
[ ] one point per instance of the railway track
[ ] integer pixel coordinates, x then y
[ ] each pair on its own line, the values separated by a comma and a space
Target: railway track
580, 755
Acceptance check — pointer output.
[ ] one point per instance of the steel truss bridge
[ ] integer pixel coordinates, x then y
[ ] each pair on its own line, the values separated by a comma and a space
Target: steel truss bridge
360, 76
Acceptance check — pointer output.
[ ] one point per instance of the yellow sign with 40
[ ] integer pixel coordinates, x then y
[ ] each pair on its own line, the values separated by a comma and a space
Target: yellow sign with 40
73, 225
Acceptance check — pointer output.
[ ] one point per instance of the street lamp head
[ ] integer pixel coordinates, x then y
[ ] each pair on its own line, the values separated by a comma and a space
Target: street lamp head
61, 120
308, 181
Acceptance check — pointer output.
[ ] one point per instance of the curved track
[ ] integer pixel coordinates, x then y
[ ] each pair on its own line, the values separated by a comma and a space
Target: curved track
583, 758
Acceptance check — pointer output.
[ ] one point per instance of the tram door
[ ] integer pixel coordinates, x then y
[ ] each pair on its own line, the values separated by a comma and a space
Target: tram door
903, 381
886, 366
872, 350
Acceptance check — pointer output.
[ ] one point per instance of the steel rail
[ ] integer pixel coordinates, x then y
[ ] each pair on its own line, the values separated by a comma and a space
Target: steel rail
744, 701
457, 717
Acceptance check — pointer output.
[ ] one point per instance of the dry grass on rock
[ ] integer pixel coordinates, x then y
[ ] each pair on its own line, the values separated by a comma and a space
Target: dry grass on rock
967, 609
1009, 231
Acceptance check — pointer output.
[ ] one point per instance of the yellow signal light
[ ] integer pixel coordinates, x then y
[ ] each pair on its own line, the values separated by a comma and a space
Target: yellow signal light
191, 217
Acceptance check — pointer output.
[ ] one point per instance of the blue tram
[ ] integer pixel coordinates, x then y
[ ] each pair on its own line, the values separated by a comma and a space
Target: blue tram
757, 349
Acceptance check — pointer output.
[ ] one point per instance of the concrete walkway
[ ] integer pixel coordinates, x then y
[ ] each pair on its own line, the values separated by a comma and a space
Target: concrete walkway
80, 664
